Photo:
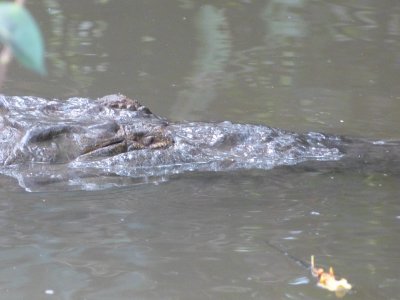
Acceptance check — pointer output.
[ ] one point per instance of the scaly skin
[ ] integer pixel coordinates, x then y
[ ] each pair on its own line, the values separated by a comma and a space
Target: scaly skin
47, 141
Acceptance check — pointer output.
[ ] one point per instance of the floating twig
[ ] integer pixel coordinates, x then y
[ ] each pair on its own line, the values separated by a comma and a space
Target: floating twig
328, 281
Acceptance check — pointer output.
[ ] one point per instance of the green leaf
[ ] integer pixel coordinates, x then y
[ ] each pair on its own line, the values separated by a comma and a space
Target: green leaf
21, 33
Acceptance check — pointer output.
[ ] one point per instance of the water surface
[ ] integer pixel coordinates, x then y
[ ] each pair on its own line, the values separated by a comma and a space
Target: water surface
329, 66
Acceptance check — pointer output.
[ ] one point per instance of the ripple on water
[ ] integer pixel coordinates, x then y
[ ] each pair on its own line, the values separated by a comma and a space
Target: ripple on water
231, 289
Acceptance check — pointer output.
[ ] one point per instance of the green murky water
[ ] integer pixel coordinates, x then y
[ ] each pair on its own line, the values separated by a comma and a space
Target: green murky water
331, 66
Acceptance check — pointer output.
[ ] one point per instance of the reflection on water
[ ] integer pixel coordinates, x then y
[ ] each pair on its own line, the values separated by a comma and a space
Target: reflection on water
72, 44
197, 238
298, 64
209, 65
80, 36
330, 66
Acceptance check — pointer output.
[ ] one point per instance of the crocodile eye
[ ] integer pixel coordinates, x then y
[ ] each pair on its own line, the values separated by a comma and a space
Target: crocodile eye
147, 140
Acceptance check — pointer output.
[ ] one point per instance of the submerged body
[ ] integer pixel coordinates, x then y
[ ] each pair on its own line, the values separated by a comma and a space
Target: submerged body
70, 141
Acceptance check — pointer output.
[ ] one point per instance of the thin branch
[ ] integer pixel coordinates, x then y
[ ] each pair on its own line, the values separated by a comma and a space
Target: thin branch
20, 2
6, 54
5, 58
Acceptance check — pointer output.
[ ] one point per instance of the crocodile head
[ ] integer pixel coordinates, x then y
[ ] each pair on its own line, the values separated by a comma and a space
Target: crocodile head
125, 140
109, 126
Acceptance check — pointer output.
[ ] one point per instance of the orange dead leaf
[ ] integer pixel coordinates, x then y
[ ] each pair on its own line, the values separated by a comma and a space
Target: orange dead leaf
327, 280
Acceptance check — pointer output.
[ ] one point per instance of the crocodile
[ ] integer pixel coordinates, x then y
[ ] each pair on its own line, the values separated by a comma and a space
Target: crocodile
81, 143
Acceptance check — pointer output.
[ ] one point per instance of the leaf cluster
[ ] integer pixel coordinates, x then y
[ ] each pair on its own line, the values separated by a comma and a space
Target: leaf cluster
20, 33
